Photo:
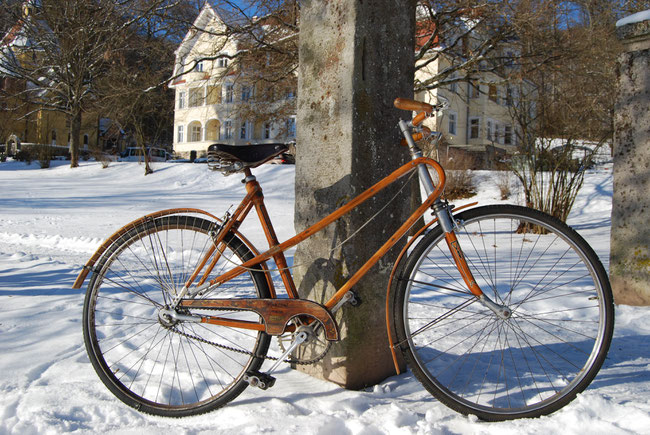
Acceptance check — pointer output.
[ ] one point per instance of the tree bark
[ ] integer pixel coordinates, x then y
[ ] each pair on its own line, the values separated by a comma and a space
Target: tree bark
355, 59
75, 131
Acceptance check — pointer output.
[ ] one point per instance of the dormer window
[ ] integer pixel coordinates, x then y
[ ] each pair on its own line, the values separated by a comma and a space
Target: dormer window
199, 67
222, 62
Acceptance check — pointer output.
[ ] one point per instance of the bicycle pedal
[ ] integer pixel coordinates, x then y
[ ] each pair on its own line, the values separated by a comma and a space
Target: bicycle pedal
262, 381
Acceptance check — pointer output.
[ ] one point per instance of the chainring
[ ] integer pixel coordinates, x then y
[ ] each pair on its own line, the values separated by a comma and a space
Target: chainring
310, 352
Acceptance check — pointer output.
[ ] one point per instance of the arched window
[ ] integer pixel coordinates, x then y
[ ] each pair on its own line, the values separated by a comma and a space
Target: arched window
85, 141
212, 130
53, 137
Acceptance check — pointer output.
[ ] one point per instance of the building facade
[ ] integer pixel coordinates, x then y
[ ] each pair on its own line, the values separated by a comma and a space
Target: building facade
22, 121
214, 98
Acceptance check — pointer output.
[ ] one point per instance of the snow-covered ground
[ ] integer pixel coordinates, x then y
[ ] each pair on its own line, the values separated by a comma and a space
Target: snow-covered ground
52, 220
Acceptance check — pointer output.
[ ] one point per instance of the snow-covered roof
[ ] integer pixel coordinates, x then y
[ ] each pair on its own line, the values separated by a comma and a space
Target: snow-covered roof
634, 18
207, 18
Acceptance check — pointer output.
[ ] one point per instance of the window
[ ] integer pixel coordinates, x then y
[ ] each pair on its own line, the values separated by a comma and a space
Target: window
196, 97
222, 62
199, 66
453, 87
291, 127
85, 141
509, 96
245, 93
230, 89
267, 130
474, 89
507, 135
53, 137
474, 128
453, 119
490, 130
181, 99
213, 95
180, 134
244, 131
195, 133
498, 136
493, 93
227, 129
291, 94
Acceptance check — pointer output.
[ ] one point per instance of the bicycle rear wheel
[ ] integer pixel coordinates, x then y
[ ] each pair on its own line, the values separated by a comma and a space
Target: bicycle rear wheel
530, 364
156, 366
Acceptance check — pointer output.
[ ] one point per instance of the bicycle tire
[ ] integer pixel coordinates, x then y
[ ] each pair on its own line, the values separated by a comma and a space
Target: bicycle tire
179, 371
530, 364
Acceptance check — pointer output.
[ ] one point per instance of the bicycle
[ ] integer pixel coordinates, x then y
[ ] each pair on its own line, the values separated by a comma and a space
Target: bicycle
181, 307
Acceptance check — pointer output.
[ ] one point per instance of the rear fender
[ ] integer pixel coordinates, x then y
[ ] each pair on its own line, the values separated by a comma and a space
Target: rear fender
115, 236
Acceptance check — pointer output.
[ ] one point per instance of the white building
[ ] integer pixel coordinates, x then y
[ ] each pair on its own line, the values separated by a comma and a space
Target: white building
213, 97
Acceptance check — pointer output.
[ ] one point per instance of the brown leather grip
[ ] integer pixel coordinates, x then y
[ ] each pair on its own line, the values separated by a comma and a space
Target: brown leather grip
416, 106
419, 118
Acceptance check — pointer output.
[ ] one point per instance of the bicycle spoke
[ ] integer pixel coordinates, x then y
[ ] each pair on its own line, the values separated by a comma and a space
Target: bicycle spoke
530, 362
170, 367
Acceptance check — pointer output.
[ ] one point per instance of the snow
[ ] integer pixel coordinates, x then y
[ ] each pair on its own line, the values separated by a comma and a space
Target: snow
51, 221
634, 18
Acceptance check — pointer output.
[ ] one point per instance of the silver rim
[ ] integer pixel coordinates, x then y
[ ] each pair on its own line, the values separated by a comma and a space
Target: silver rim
177, 367
521, 364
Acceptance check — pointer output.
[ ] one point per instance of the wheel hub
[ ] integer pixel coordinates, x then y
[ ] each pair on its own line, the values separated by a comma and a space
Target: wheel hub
167, 318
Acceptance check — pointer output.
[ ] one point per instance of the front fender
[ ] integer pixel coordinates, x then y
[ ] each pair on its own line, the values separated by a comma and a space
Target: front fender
389, 290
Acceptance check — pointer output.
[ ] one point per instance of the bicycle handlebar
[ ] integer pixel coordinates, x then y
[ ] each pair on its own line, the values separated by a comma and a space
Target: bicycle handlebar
412, 105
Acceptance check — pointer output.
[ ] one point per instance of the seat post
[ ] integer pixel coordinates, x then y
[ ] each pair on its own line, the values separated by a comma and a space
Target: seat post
248, 175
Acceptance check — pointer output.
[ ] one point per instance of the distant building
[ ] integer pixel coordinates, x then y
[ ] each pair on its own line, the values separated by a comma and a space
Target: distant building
214, 96
480, 117
23, 121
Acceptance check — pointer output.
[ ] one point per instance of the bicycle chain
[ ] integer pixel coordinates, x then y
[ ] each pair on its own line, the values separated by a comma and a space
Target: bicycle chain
246, 352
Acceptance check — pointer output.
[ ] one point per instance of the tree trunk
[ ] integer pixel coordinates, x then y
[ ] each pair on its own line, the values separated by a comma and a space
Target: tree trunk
75, 131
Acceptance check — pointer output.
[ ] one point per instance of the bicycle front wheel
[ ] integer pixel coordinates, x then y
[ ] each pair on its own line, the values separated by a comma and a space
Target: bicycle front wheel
529, 364
159, 366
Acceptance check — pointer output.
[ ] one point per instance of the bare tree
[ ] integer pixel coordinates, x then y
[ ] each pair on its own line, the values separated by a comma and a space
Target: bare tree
133, 91
564, 114
464, 39
70, 45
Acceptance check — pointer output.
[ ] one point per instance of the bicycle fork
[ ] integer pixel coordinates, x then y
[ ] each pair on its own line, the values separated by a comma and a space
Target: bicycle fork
446, 221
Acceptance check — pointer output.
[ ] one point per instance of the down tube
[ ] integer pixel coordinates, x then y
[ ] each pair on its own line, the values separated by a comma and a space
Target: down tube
401, 232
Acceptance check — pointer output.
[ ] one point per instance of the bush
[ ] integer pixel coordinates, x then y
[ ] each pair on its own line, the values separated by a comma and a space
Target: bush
458, 168
503, 181
103, 158
44, 155
24, 155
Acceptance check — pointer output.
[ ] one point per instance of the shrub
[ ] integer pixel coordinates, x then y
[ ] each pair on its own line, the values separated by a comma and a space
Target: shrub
24, 155
458, 168
103, 158
503, 179
44, 155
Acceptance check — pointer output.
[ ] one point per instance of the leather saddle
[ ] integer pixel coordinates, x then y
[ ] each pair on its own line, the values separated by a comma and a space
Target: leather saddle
250, 156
